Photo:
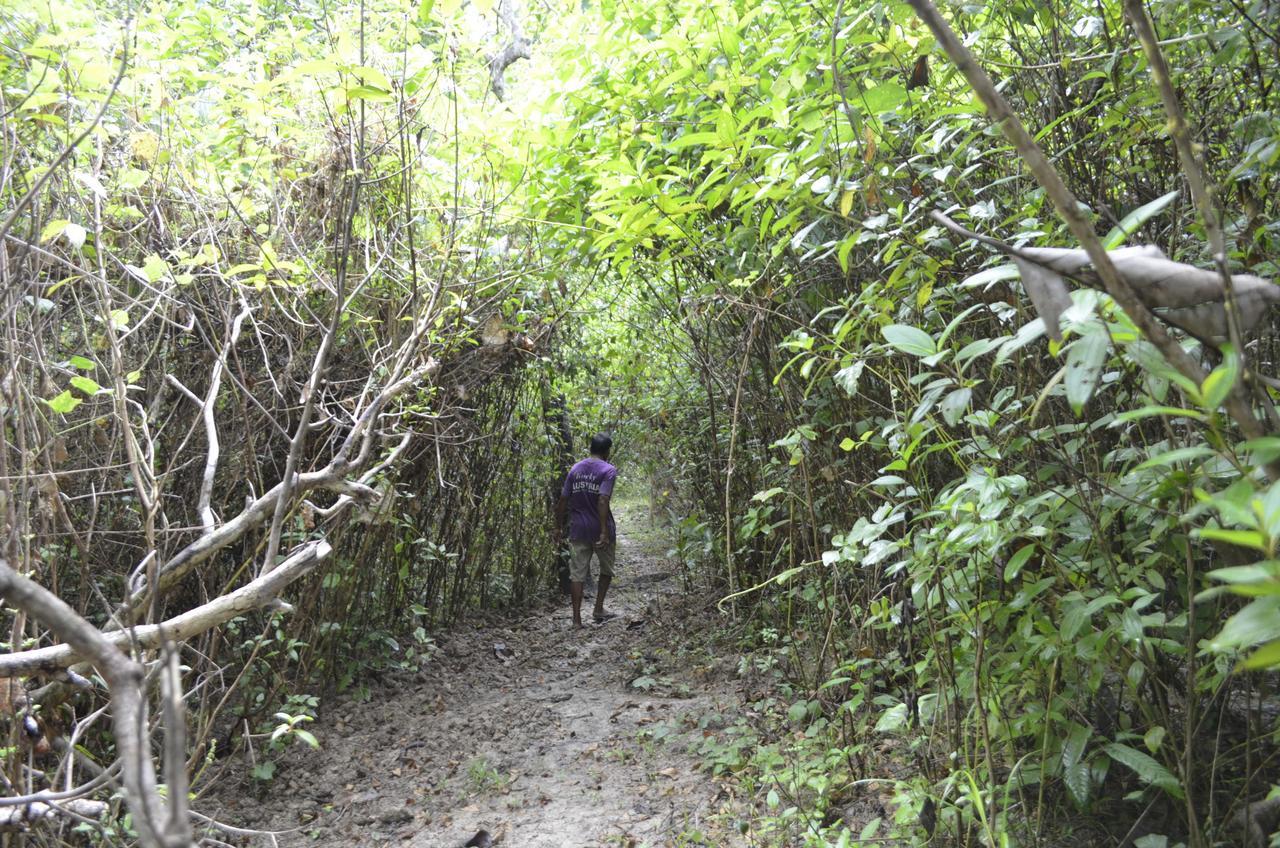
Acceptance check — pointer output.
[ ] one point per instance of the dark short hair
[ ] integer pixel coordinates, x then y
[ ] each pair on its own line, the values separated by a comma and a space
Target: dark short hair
601, 445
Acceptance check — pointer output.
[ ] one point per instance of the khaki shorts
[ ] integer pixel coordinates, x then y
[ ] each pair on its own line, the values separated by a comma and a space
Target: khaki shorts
580, 562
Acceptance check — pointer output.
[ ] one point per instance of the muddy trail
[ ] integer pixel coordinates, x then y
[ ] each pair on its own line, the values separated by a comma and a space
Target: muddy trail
522, 727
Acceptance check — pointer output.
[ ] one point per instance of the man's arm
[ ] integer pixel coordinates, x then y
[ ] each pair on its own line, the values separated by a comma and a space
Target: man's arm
603, 511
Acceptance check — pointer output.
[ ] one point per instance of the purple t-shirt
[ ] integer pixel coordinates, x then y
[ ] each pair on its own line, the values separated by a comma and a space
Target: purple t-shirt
583, 485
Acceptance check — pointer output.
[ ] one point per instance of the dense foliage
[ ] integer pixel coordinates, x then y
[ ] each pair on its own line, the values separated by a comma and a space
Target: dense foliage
1027, 588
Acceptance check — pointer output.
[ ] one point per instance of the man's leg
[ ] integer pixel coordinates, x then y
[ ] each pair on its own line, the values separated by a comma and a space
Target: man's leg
579, 568
575, 592
606, 555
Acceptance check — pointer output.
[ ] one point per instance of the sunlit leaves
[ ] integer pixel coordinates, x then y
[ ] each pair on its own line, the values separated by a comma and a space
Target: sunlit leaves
63, 403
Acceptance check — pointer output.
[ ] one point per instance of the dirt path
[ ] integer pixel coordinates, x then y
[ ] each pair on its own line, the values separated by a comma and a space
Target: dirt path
551, 746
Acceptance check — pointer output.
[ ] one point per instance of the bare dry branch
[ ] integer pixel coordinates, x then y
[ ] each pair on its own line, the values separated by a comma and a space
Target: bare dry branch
181, 627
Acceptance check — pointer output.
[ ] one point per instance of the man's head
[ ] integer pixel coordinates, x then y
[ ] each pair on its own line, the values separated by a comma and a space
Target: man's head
601, 445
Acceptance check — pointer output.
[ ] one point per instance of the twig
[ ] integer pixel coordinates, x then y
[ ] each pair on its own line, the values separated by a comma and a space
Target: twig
211, 424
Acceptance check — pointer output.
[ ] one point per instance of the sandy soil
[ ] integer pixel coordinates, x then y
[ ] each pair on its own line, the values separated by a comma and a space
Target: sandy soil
550, 742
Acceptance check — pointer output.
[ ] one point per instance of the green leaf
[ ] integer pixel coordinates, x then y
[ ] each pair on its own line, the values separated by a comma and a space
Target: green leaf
1243, 538
1258, 622
82, 363
1150, 411
84, 384
1264, 450
1221, 380
894, 718
1268, 656
63, 403
954, 405
306, 736
131, 178
798, 712
53, 229
1079, 783
1073, 747
1148, 770
1019, 559
690, 139
1074, 619
910, 340
847, 444
1177, 455
884, 97
1084, 367
155, 268
1129, 223
368, 92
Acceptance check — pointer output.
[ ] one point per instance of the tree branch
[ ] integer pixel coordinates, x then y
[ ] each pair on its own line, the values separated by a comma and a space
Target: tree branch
1068, 208
181, 627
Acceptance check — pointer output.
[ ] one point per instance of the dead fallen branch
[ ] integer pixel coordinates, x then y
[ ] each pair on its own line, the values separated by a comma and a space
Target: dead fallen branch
247, 598
1189, 298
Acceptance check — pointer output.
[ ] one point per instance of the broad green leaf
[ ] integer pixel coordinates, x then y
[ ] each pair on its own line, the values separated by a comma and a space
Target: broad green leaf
82, 363
1079, 782
63, 403
1018, 560
1258, 622
155, 268
1221, 380
131, 178
320, 66
954, 405
1243, 538
1074, 619
909, 339
1150, 411
1130, 223
307, 737
1264, 450
368, 92
1178, 455
1147, 769
1073, 747
1268, 656
53, 229
690, 139
894, 718
84, 384
884, 97
1084, 367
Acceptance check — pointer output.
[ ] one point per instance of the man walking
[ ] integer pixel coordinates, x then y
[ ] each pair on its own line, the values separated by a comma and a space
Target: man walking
585, 496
